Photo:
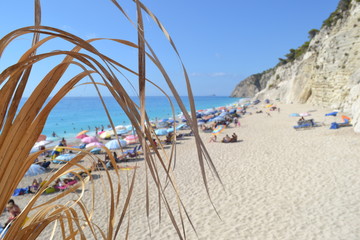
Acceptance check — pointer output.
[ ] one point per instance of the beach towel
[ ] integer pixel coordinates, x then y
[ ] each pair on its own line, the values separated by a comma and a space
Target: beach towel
21, 191
334, 125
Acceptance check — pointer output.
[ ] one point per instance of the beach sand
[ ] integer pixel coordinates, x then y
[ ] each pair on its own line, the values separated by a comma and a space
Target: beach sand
278, 183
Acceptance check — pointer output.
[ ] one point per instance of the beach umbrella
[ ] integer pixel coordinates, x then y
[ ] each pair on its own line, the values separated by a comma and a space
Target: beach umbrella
81, 136
172, 121
42, 143
42, 137
106, 134
64, 157
169, 130
89, 139
199, 115
122, 131
218, 130
181, 126
94, 144
100, 132
131, 139
218, 119
114, 144
232, 111
53, 139
161, 132
294, 115
82, 132
202, 121
34, 170
162, 124
120, 127
34, 149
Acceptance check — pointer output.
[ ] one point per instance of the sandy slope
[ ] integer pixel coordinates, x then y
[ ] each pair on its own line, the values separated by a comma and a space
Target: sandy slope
278, 183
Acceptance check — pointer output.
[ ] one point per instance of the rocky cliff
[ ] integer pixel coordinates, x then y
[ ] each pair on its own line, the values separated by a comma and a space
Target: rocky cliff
326, 73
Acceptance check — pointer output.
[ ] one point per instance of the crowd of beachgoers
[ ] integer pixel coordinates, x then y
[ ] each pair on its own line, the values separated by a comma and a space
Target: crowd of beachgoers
217, 125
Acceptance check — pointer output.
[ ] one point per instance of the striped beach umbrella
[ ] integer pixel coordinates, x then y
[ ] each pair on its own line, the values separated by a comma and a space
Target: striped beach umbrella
89, 139
81, 136
82, 132
218, 130
131, 139
114, 144
94, 144
106, 134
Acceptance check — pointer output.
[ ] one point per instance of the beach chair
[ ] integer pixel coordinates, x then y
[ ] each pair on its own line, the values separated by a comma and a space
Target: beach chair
346, 123
133, 151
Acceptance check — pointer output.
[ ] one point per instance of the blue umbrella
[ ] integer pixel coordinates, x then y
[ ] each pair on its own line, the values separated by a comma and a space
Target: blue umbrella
161, 132
64, 157
217, 119
181, 126
223, 114
122, 131
172, 121
169, 130
162, 124
114, 144
34, 170
294, 115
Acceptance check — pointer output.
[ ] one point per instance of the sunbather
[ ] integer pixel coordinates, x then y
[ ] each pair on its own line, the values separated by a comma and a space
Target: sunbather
226, 139
233, 138
13, 210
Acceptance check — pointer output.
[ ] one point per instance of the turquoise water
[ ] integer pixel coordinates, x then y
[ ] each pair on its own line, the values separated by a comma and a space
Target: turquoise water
74, 114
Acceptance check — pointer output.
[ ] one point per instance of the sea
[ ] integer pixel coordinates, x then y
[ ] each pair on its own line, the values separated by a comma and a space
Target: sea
74, 114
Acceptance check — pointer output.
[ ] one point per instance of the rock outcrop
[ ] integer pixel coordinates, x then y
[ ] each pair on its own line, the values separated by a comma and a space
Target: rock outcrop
327, 74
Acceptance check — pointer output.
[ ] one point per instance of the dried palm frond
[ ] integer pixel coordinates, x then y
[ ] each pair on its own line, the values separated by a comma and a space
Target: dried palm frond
21, 126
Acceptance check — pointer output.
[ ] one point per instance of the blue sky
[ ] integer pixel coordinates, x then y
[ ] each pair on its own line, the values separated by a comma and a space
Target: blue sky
220, 42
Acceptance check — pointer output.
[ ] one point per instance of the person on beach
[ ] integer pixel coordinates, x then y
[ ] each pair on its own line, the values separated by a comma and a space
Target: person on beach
213, 138
63, 142
226, 139
235, 121
233, 138
13, 210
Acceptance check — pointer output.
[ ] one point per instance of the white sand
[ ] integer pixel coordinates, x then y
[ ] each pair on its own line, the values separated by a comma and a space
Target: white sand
278, 183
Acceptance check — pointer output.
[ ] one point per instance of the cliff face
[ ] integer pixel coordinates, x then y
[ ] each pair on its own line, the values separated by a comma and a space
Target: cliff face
328, 74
